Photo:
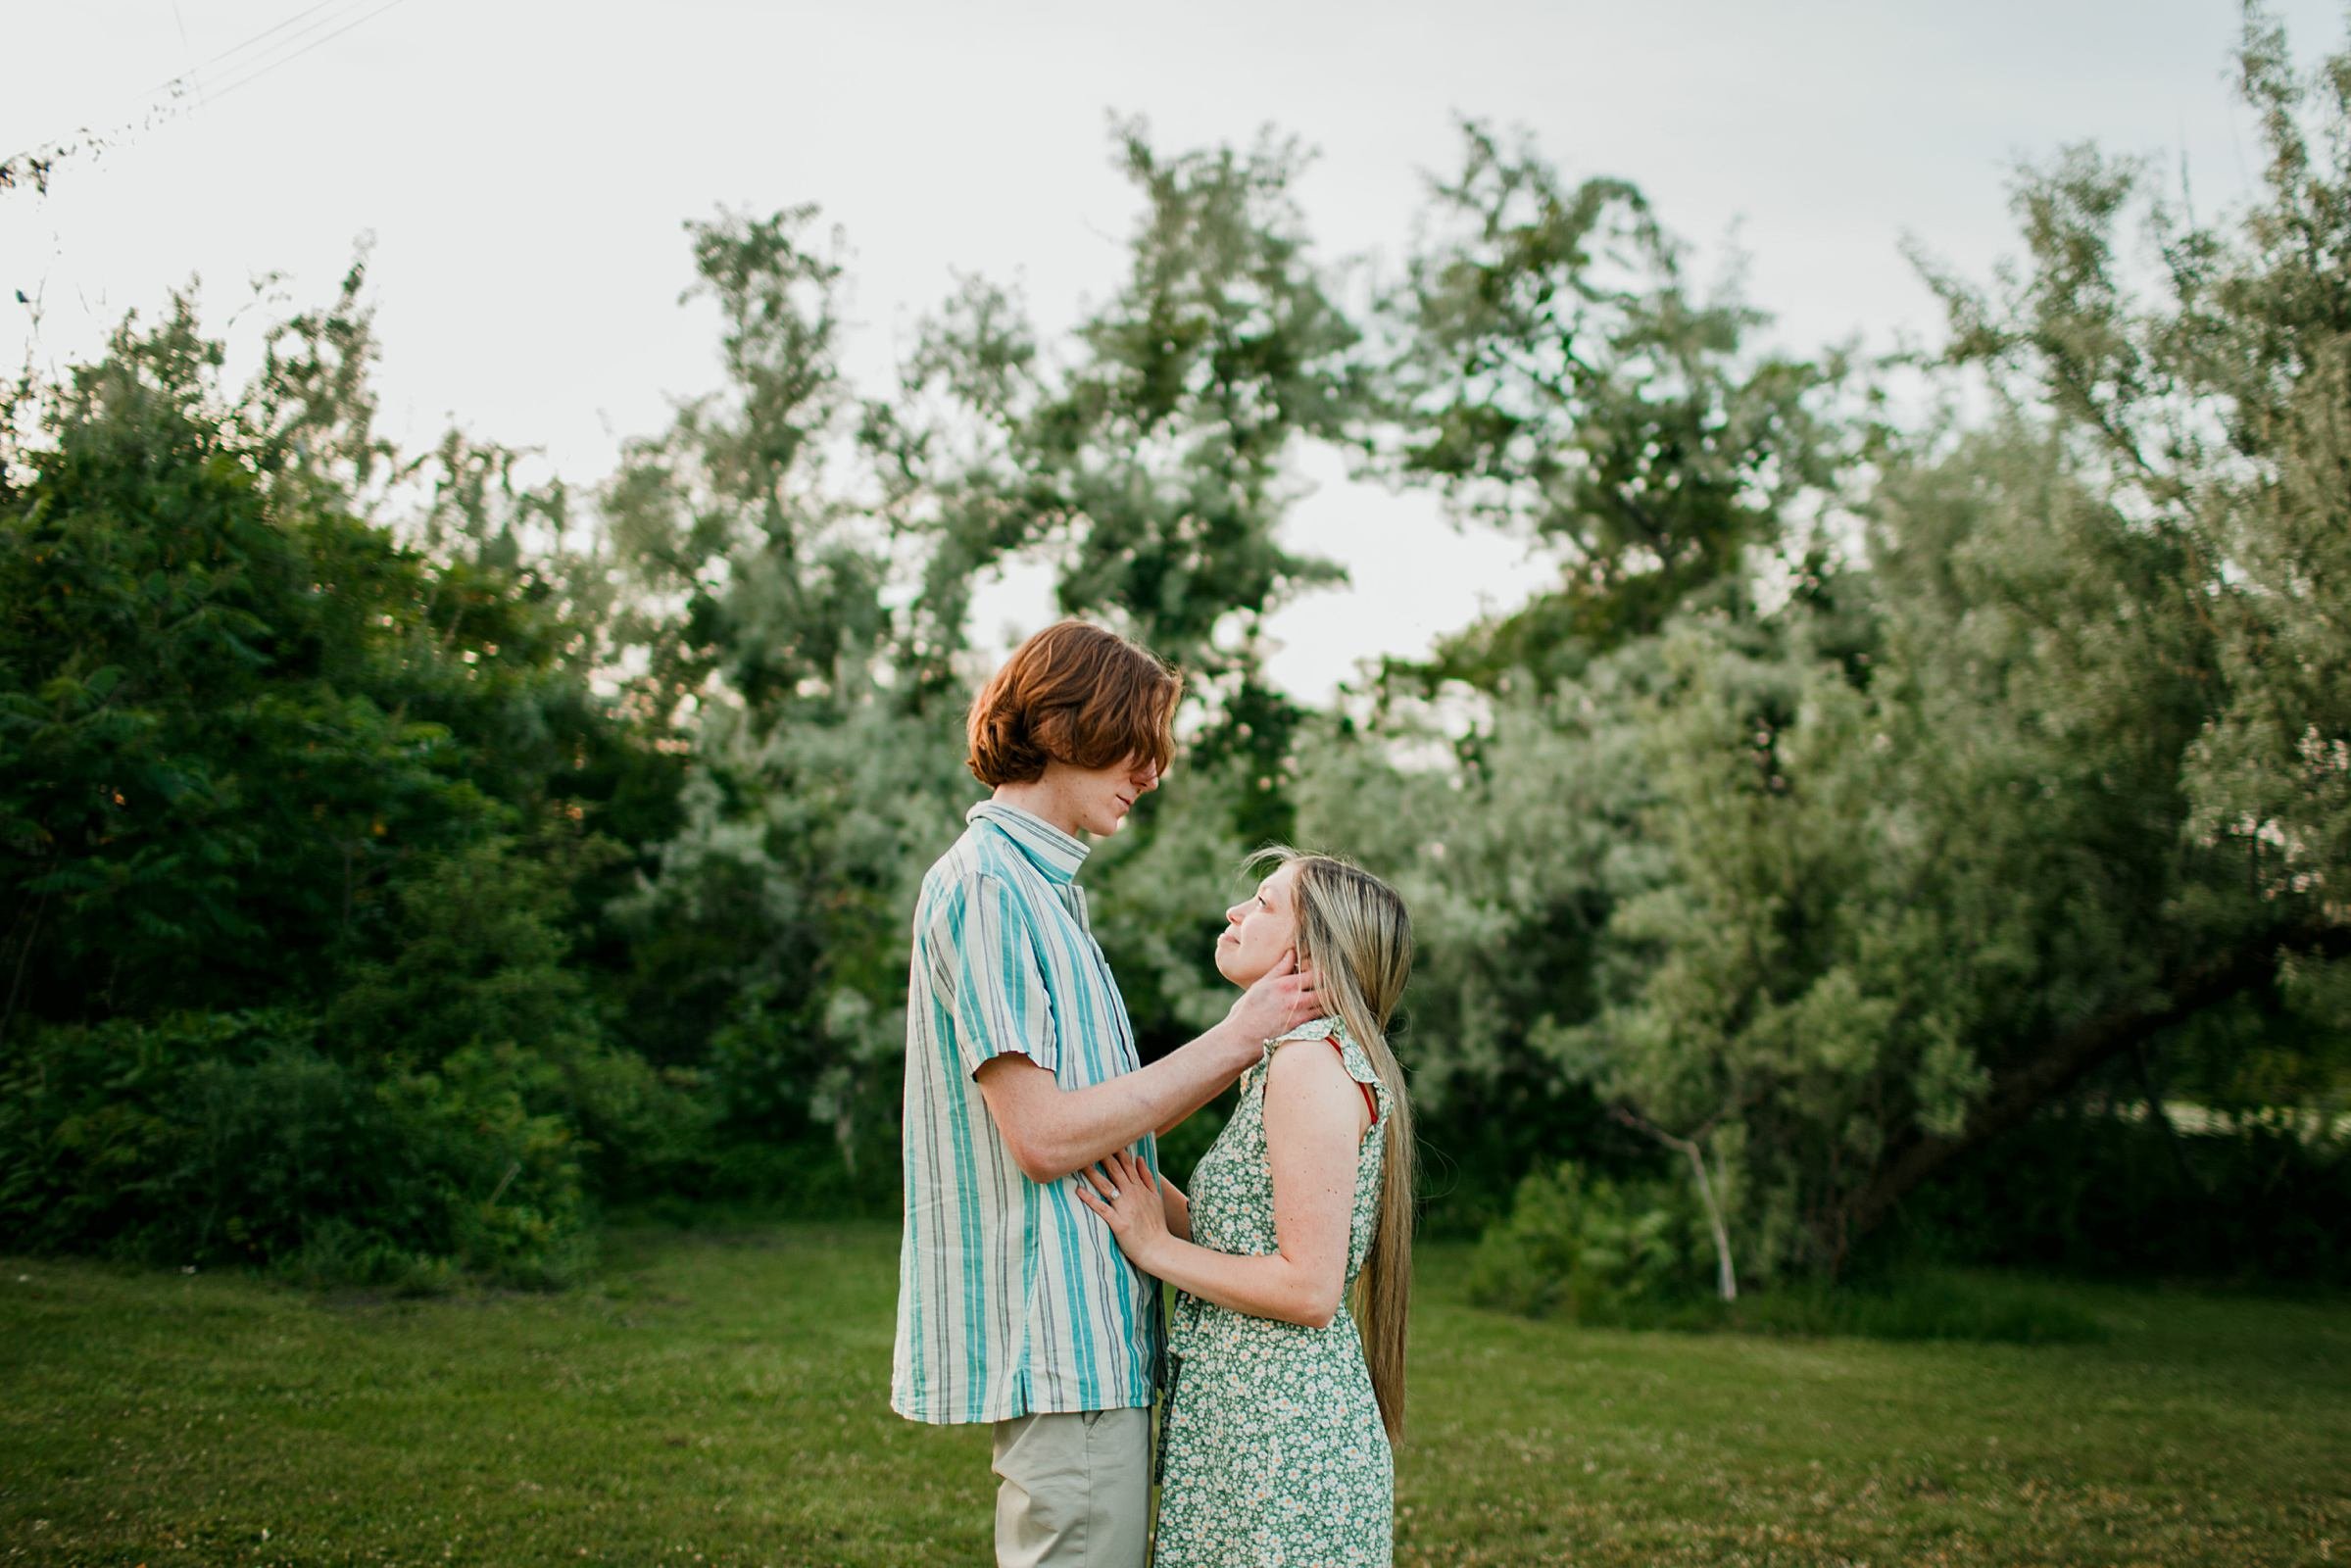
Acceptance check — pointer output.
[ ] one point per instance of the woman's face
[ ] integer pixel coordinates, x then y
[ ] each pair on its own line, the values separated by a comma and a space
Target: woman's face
1259, 929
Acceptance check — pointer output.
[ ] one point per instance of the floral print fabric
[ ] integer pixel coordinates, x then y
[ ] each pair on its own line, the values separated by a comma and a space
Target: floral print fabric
1274, 1453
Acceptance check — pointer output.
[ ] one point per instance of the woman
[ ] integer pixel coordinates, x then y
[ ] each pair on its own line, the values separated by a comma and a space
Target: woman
1283, 1402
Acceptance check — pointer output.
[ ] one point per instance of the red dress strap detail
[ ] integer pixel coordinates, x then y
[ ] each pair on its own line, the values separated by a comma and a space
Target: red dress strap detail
1368, 1097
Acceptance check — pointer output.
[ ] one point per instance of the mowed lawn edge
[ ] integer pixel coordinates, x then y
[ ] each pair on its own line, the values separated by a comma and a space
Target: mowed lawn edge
719, 1396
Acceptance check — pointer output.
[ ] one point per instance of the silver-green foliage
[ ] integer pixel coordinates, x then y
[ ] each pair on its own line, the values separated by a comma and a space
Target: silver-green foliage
2086, 775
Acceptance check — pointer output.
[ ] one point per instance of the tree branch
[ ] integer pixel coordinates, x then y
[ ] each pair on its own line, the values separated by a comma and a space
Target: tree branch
1726, 1276
2015, 1098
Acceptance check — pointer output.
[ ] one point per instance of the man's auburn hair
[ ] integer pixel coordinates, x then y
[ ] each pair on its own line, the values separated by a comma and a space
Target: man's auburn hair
1077, 693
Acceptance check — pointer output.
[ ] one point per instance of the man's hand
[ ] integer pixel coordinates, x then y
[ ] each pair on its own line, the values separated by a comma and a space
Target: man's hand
1282, 998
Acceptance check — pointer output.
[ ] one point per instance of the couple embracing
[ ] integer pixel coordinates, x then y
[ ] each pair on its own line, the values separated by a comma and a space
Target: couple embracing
1039, 1226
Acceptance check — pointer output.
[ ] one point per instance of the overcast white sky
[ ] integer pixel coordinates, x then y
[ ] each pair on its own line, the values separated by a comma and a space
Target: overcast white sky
526, 168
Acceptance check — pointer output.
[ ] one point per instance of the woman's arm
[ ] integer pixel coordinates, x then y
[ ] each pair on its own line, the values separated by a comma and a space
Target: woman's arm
1314, 1124
1176, 1209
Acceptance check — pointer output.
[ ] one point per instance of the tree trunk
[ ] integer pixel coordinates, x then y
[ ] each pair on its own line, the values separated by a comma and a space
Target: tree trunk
1726, 1283
2033, 1084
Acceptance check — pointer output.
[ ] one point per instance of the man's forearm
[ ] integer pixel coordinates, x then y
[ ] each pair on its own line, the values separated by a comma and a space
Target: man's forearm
1053, 1132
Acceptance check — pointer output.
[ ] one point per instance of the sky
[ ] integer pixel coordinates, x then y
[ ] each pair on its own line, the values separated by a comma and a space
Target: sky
525, 170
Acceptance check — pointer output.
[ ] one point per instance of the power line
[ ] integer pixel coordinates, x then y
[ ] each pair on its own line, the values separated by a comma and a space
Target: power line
168, 99
239, 48
283, 60
266, 33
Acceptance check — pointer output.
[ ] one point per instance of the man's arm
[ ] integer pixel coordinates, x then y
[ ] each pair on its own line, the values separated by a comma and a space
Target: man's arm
1054, 1131
1314, 1125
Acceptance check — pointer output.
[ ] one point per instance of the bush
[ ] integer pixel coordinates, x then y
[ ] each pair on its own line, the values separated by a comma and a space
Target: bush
1590, 1249
1636, 1254
213, 1138
644, 1130
805, 1179
2107, 1195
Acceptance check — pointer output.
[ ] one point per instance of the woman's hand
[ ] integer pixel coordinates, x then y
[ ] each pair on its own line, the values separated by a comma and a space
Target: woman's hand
1122, 1189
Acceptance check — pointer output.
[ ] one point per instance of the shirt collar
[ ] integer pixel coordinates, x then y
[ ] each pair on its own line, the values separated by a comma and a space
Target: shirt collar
1052, 850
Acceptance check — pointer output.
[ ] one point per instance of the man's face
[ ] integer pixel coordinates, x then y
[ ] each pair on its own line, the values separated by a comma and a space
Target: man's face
1259, 929
1098, 798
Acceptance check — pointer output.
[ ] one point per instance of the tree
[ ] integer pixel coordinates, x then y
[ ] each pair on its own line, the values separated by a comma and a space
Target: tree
228, 711
767, 927
288, 821
1154, 468
1555, 374
2210, 405
2091, 787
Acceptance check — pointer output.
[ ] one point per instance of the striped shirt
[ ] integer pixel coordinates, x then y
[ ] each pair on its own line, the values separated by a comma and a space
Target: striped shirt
1013, 1296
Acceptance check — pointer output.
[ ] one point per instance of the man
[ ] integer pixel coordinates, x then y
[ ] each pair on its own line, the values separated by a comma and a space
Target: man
1016, 1307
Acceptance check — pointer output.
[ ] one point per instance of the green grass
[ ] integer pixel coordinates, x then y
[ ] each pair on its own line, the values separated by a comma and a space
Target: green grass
719, 1396
1922, 1302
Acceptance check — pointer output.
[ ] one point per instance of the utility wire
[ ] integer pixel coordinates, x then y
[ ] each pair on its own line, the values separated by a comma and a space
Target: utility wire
168, 99
173, 87
283, 60
170, 82
238, 49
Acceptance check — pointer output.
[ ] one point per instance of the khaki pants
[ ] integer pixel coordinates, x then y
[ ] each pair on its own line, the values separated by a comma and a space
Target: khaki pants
1076, 1490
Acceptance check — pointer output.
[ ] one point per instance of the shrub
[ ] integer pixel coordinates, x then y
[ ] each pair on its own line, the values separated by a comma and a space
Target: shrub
1636, 1254
1590, 1249
210, 1138
644, 1130
2110, 1195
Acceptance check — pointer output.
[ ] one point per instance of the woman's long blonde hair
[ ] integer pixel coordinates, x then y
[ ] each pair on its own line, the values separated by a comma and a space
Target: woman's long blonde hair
1352, 929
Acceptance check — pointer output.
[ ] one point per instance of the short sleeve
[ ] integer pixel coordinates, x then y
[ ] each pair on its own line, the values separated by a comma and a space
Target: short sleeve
986, 975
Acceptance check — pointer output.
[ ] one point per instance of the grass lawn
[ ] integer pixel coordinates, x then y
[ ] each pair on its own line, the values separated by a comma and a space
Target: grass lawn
719, 1396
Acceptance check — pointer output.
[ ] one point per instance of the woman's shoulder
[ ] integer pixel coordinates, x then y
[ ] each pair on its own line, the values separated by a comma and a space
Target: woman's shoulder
1350, 1054
1324, 1028
1304, 1077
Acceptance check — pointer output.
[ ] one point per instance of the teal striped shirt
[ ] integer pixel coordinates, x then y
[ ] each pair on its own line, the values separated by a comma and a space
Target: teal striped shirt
1013, 1296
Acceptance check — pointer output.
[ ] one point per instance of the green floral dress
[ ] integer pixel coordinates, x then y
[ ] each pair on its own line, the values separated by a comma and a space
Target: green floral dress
1274, 1456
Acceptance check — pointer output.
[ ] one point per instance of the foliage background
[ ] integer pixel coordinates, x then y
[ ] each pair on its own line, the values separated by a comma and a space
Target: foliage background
1914, 818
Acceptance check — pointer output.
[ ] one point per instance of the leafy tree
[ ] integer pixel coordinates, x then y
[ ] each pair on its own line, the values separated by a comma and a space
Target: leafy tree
2208, 405
1908, 911
1555, 374
1153, 469
287, 839
768, 927
211, 757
